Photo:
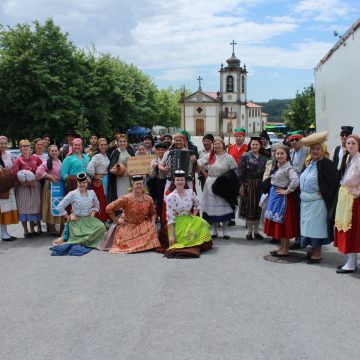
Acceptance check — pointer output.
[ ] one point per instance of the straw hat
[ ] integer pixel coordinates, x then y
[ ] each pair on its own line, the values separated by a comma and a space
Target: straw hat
315, 138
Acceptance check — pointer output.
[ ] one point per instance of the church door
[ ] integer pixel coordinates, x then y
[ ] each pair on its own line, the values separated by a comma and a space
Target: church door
199, 127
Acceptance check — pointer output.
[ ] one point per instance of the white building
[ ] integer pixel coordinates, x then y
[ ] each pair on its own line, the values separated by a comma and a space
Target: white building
217, 112
337, 79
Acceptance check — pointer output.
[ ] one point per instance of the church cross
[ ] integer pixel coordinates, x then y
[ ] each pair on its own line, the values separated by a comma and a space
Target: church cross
233, 43
199, 79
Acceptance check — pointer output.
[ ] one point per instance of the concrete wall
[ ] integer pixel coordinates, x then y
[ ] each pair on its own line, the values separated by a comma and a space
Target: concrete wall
337, 83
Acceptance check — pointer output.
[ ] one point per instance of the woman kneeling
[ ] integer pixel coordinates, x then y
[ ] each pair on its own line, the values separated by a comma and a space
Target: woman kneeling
188, 233
135, 229
83, 227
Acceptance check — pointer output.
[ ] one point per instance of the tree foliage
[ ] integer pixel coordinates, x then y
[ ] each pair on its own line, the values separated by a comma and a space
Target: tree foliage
275, 108
300, 113
49, 85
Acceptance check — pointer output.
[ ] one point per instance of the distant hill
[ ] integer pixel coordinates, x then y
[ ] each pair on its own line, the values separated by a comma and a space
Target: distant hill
275, 108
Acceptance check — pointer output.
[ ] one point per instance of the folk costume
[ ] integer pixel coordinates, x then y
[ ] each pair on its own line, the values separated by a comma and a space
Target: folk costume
251, 171
86, 230
319, 184
118, 185
98, 171
28, 198
8, 208
192, 233
73, 165
339, 151
281, 215
347, 225
54, 171
138, 233
215, 208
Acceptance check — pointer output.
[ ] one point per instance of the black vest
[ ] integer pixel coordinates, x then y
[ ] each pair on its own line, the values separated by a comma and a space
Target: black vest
336, 156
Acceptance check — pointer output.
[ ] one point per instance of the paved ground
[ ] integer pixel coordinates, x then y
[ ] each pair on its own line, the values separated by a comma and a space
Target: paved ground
229, 304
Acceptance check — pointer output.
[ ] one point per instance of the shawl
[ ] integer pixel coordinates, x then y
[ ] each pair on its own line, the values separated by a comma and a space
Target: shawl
227, 187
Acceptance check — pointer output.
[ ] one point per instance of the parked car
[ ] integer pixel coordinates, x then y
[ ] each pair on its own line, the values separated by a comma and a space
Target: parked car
14, 152
274, 139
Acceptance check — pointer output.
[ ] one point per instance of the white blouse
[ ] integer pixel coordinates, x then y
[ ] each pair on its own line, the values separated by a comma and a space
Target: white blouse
98, 164
177, 205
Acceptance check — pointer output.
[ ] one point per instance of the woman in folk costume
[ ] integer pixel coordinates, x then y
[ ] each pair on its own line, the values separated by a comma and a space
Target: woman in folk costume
347, 225
8, 209
135, 229
119, 181
251, 171
188, 233
28, 193
50, 171
319, 184
76, 162
281, 215
215, 208
98, 171
83, 227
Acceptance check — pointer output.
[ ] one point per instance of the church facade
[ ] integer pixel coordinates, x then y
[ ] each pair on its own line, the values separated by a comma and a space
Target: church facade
220, 112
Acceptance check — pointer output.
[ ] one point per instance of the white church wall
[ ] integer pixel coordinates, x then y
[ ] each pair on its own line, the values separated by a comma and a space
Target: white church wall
210, 111
189, 110
190, 125
210, 126
337, 90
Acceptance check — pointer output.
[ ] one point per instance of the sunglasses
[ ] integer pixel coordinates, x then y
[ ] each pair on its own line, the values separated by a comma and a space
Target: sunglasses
344, 135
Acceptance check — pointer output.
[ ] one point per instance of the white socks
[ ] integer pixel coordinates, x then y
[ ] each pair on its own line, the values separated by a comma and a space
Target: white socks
351, 263
226, 228
4, 233
214, 228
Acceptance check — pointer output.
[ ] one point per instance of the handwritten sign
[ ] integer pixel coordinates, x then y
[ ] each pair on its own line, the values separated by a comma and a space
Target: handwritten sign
139, 165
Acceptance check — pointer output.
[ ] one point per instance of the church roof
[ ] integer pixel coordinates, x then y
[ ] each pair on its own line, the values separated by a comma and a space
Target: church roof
341, 41
252, 105
212, 94
233, 61
200, 96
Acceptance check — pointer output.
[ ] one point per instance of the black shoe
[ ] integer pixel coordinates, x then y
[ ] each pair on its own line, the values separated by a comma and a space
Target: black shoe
8, 239
340, 267
313, 261
231, 223
27, 235
249, 237
295, 246
13, 237
214, 236
258, 236
226, 237
343, 271
276, 254
274, 241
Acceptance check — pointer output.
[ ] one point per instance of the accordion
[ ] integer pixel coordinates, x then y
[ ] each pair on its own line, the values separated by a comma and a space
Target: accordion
180, 160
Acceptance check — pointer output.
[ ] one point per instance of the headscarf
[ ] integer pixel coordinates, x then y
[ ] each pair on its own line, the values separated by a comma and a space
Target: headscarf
212, 153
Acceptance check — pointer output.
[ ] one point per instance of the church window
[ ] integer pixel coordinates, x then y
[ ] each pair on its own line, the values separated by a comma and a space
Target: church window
242, 83
229, 84
226, 112
199, 109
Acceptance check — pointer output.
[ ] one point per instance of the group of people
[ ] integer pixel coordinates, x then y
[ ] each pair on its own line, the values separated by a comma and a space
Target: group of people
295, 189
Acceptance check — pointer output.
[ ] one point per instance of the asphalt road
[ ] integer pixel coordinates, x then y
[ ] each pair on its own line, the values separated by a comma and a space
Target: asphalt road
229, 304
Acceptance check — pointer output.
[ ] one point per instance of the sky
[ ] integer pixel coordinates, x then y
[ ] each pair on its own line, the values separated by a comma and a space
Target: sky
175, 41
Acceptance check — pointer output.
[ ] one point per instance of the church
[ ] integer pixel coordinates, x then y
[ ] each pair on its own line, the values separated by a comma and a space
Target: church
220, 112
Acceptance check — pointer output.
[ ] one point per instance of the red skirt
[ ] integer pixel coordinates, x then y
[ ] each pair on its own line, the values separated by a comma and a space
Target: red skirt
99, 191
349, 241
290, 228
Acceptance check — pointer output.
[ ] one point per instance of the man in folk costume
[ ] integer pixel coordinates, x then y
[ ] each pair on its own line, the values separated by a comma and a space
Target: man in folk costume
337, 154
238, 149
298, 155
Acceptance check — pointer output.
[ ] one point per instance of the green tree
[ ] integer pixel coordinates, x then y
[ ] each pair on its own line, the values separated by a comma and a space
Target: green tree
168, 107
300, 113
39, 73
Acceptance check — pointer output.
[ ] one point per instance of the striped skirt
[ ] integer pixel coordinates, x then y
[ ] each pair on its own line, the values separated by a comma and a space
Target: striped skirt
28, 201
250, 209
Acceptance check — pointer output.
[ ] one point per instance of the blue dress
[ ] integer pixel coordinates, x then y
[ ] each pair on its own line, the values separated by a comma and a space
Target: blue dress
313, 212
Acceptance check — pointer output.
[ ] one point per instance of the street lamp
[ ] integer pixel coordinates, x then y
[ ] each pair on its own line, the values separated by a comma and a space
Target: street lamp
183, 98
83, 110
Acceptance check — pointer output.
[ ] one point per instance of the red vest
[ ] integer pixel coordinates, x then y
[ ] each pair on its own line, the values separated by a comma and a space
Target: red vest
237, 153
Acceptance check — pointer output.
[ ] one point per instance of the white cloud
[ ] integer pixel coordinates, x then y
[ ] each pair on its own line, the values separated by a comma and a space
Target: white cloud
323, 10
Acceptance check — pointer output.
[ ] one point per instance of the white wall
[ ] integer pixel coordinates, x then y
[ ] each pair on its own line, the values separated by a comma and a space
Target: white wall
337, 83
